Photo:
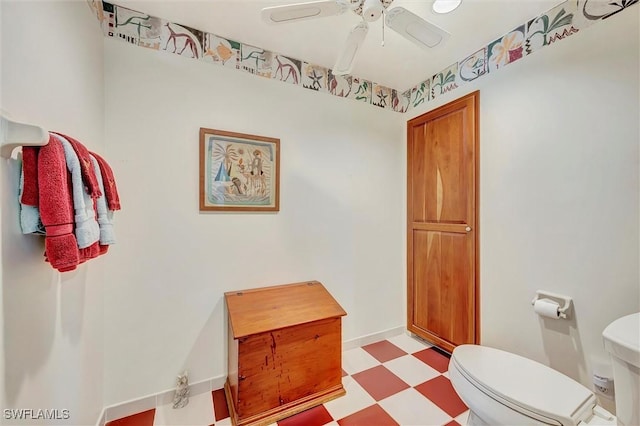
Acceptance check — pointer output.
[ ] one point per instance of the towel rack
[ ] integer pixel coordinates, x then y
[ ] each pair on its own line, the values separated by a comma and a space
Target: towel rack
14, 134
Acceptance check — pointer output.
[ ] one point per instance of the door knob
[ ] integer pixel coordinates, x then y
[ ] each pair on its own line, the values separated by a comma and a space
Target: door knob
468, 229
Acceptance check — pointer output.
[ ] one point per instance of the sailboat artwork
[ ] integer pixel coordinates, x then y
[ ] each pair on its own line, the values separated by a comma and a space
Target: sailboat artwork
238, 172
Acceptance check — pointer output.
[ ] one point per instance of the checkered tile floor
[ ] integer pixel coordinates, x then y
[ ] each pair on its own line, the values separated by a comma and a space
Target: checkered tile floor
399, 381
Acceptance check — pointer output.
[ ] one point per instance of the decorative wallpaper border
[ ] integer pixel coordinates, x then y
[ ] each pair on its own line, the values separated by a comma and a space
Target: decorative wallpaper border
141, 29
155, 33
558, 23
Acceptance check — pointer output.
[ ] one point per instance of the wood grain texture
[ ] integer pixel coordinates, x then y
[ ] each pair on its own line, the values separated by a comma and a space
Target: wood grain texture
270, 308
283, 366
232, 365
443, 309
442, 227
275, 414
442, 235
285, 351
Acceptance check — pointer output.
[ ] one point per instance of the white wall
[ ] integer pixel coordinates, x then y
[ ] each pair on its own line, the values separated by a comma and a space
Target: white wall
52, 324
559, 207
559, 193
340, 218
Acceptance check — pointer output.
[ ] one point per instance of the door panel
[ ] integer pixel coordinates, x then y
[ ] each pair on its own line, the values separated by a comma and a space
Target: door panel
442, 232
443, 309
439, 174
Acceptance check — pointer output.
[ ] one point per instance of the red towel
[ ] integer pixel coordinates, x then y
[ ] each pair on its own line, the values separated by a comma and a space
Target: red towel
90, 252
110, 189
86, 166
56, 207
30, 171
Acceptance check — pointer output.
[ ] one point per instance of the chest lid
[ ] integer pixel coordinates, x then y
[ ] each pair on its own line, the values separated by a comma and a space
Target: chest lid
270, 308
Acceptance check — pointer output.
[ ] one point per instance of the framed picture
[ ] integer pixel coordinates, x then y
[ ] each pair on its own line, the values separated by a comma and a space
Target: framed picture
239, 172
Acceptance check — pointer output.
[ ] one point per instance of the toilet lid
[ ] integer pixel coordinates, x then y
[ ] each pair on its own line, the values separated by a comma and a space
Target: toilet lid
523, 384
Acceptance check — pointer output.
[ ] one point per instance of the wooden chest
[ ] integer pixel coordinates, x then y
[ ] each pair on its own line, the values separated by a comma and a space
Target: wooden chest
285, 351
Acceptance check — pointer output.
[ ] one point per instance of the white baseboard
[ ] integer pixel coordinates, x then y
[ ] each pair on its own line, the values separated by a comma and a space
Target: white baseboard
101, 419
149, 402
138, 405
372, 338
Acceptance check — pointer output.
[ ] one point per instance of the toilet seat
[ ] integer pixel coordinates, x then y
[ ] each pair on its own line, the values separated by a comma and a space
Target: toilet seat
524, 385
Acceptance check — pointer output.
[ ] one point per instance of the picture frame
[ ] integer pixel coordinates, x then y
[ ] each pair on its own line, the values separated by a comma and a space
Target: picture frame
239, 172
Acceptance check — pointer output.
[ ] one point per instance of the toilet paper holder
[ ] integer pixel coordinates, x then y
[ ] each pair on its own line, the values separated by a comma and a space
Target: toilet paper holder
564, 302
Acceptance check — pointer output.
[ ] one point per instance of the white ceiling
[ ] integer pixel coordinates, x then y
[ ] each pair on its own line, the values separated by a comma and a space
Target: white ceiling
399, 64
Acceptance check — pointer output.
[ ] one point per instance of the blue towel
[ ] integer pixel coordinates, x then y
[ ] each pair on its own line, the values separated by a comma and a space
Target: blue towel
107, 236
86, 230
29, 215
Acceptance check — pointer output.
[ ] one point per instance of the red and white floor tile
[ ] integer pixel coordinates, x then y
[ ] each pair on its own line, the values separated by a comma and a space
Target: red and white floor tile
399, 381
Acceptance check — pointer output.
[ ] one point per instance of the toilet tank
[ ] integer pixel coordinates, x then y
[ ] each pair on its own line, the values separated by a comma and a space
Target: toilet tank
622, 341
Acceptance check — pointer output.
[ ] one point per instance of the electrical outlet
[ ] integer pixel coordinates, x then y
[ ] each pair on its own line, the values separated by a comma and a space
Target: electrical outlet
603, 386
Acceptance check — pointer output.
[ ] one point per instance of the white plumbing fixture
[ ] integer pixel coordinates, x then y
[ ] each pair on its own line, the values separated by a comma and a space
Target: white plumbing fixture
622, 341
501, 388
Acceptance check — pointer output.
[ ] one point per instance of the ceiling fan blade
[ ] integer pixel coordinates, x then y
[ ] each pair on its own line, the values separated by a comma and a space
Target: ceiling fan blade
301, 11
344, 64
414, 28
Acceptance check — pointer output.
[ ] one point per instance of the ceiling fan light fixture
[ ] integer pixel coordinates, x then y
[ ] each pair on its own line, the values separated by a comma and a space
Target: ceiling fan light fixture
414, 28
445, 6
371, 10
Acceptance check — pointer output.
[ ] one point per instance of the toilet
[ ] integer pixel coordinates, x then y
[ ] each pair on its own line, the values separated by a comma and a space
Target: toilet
501, 388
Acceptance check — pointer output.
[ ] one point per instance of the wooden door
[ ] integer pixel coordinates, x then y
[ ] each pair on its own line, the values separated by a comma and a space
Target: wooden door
442, 233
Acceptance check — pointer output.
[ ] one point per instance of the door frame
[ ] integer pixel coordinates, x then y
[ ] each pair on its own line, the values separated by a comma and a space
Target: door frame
429, 116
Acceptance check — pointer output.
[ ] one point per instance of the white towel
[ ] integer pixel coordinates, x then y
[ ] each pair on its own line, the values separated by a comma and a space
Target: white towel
87, 230
107, 235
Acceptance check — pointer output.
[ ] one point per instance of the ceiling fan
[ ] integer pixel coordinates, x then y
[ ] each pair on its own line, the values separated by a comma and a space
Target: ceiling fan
399, 19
